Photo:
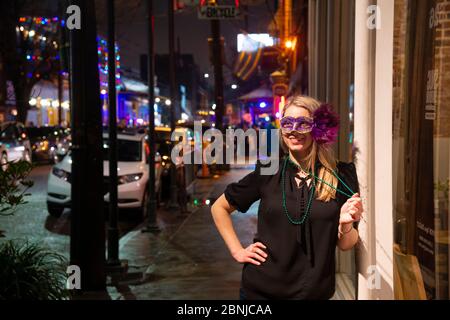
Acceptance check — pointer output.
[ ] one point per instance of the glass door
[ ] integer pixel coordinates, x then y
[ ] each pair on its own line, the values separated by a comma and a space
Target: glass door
421, 162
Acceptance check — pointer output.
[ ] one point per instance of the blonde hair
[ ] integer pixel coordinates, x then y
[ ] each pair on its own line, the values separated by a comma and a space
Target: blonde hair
325, 154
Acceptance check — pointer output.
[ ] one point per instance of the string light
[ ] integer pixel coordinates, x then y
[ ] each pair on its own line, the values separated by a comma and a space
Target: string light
102, 51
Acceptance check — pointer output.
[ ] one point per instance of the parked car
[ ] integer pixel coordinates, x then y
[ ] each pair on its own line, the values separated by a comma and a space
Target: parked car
132, 181
15, 142
163, 145
47, 143
3, 158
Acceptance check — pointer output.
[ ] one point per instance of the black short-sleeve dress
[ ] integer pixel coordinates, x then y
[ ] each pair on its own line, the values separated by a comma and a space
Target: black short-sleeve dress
301, 258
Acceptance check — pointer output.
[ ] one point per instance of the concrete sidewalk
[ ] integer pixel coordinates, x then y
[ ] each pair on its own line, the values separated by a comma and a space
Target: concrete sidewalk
187, 259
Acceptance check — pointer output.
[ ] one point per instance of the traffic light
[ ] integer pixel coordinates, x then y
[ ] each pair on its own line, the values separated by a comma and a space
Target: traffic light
178, 5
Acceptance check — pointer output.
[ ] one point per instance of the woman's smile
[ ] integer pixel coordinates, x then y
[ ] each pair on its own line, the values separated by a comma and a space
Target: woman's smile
296, 140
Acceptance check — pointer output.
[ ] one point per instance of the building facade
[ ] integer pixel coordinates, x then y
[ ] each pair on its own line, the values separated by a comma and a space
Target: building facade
386, 65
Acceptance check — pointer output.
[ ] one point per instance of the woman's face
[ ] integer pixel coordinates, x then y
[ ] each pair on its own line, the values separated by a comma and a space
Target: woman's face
295, 141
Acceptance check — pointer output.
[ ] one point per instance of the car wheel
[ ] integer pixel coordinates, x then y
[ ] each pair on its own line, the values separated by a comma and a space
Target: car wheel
4, 162
54, 210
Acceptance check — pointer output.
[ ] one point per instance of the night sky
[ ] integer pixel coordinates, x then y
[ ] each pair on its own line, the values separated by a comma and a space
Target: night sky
131, 30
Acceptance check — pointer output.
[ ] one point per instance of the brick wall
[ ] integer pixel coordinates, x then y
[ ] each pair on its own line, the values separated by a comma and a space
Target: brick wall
400, 25
442, 64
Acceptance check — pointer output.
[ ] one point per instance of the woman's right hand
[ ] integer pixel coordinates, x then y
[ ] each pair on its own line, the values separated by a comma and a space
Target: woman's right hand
253, 254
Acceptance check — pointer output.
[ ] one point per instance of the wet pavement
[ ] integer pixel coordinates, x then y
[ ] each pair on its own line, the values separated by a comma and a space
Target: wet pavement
32, 222
187, 259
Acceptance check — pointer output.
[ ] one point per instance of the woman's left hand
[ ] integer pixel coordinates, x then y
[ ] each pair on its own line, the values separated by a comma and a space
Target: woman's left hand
352, 210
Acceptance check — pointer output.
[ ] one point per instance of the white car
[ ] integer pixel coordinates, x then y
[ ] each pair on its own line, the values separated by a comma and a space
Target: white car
132, 176
14, 142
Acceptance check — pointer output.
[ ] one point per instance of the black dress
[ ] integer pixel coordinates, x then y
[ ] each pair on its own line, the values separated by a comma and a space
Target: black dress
301, 258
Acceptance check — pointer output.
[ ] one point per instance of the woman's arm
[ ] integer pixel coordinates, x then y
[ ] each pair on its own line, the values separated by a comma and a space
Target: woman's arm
348, 237
221, 211
351, 212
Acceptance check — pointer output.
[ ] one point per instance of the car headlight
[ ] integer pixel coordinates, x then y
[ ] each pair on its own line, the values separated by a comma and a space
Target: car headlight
62, 174
129, 178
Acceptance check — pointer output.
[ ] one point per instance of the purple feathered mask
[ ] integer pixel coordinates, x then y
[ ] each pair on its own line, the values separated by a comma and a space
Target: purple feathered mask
326, 125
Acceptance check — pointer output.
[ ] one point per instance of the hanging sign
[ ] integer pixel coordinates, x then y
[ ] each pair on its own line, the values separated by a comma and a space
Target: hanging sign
218, 12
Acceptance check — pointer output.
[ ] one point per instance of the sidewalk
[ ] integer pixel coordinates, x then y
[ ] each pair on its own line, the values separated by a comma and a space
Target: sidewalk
187, 259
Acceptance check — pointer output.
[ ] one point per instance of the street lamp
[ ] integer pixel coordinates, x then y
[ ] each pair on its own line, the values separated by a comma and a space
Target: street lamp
206, 75
290, 44
234, 86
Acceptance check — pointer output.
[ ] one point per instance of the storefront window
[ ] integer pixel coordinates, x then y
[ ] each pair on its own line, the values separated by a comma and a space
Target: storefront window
421, 149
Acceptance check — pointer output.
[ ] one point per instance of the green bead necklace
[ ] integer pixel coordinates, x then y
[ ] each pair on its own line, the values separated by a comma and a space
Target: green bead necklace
308, 208
283, 190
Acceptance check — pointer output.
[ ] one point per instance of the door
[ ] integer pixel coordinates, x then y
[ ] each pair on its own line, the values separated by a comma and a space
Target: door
421, 149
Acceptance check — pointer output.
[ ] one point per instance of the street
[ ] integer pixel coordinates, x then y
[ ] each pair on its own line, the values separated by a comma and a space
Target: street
33, 223
187, 259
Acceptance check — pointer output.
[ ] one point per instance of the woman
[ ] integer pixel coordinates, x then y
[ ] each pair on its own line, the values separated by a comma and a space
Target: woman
307, 208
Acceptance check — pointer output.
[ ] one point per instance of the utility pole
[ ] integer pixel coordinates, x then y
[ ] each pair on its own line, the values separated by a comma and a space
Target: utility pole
60, 65
87, 234
113, 230
173, 201
218, 72
151, 205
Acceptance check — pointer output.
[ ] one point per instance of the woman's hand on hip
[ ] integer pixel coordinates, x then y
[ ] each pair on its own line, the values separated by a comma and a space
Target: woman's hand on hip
253, 254
352, 210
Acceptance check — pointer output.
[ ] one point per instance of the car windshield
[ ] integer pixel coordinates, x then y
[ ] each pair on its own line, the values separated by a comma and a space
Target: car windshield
128, 151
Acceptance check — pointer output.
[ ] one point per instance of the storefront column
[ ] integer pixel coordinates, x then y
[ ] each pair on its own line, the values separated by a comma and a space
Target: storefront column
373, 138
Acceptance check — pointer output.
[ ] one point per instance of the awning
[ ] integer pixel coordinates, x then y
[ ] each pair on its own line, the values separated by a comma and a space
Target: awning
45, 89
260, 93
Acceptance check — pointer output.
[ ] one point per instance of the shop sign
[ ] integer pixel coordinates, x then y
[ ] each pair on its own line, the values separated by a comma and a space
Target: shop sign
430, 107
218, 12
